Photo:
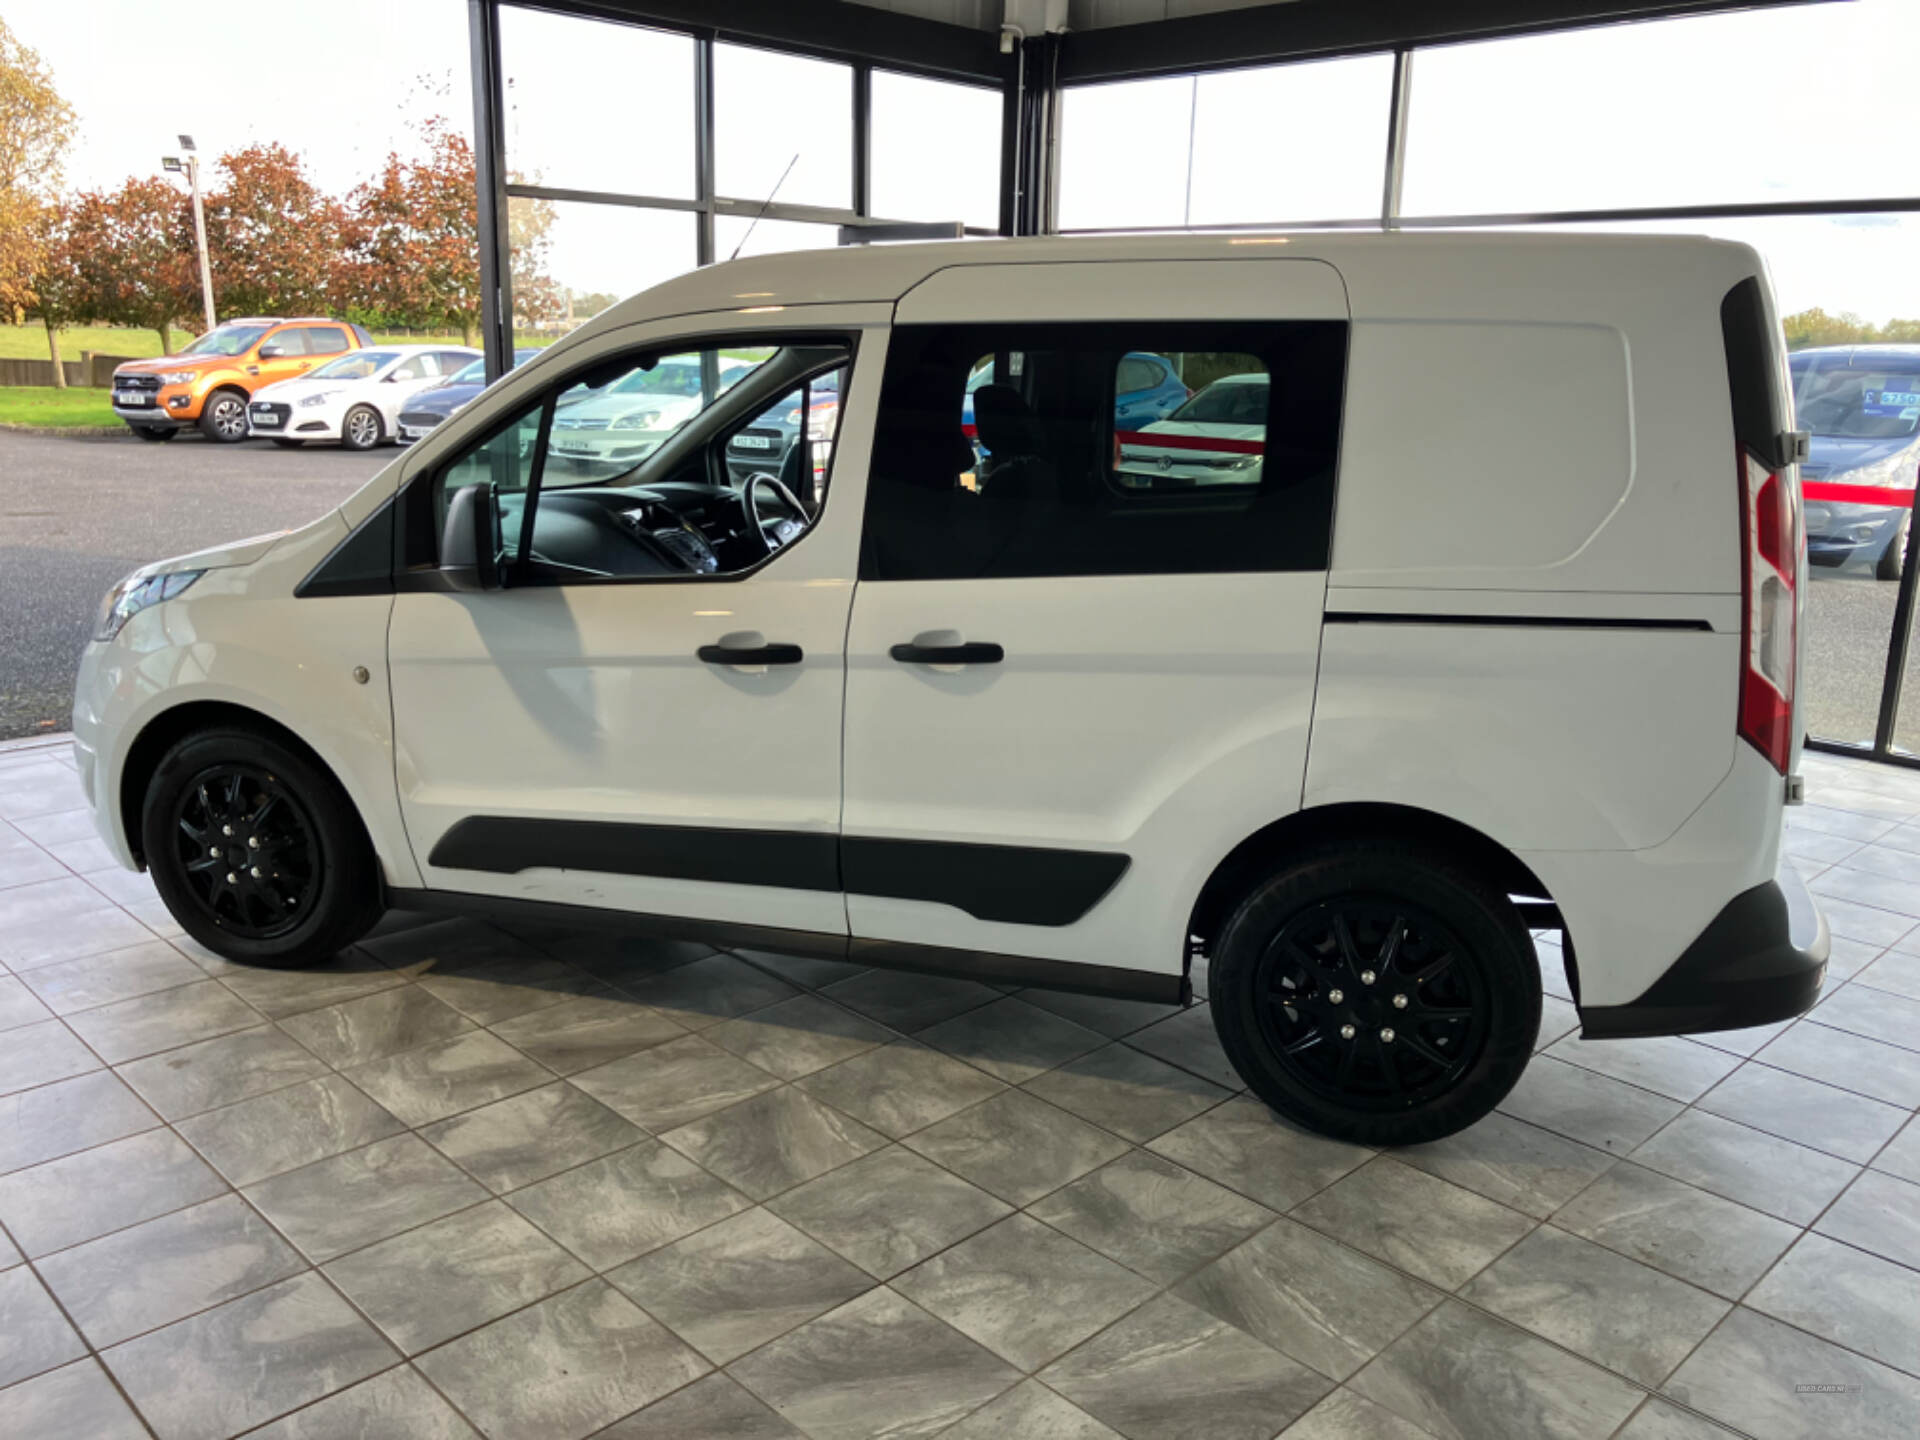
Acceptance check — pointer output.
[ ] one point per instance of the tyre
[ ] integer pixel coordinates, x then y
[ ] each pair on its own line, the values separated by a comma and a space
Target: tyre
285, 443
257, 851
223, 419
152, 432
1893, 559
1377, 993
361, 429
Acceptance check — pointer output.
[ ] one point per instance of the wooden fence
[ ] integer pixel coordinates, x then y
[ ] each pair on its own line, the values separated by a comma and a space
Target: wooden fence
89, 370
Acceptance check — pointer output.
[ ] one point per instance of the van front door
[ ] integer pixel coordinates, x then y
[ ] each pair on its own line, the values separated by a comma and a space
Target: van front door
647, 716
1082, 654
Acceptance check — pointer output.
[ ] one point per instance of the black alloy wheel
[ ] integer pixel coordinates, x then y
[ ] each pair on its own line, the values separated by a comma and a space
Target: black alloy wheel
249, 851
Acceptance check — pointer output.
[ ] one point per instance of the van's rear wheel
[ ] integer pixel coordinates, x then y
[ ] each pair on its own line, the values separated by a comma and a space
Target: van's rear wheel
1376, 993
257, 851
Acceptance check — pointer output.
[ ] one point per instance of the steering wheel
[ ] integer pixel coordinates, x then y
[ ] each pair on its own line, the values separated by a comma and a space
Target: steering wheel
775, 533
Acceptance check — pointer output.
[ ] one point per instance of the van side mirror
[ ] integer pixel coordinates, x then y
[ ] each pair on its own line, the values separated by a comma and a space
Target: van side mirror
470, 539
272, 352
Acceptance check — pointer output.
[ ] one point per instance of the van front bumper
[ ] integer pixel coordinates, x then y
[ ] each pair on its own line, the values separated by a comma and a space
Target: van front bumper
1760, 960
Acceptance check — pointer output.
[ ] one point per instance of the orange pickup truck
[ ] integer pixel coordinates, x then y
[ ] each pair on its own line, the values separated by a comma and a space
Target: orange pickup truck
210, 381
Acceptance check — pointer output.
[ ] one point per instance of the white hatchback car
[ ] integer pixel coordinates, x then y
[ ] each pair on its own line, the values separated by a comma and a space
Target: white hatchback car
355, 399
1341, 727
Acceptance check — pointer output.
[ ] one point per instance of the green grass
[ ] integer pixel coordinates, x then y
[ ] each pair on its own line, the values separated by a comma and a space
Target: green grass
29, 342
44, 405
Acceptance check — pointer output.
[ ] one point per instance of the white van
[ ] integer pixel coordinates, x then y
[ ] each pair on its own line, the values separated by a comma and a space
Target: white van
1486, 623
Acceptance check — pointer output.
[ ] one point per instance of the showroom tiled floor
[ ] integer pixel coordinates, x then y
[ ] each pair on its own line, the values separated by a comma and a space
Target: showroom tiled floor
549, 1185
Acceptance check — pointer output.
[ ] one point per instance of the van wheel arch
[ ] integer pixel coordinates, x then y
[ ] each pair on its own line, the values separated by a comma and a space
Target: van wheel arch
1272, 846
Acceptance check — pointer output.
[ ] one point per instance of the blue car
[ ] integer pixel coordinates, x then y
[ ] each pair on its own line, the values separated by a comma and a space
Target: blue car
1861, 406
429, 407
1145, 390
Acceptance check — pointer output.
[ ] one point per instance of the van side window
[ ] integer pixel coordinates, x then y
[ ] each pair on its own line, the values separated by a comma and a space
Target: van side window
1105, 449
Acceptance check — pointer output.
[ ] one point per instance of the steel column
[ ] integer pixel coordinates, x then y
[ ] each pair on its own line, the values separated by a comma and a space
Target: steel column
490, 183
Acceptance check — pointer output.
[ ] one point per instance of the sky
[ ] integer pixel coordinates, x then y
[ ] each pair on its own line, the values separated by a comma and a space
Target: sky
1802, 102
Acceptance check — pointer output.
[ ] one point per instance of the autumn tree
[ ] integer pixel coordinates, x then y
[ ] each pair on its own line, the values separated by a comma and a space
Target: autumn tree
411, 251
273, 236
36, 126
133, 250
61, 293
538, 299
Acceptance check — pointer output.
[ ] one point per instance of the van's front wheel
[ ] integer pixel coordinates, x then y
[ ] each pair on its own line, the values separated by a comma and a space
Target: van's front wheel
257, 851
1376, 993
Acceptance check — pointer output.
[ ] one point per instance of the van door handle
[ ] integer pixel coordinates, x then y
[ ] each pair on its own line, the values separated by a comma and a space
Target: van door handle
974, 652
774, 654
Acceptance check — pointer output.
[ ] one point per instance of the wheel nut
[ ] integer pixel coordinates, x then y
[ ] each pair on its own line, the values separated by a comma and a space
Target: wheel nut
253, 842
1399, 1002
255, 872
232, 879
1334, 997
1386, 1033
226, 829
213, 849
1366, 977
1346, 1032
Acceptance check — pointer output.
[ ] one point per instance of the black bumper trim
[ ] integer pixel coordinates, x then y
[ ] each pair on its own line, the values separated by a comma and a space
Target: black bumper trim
1760, 960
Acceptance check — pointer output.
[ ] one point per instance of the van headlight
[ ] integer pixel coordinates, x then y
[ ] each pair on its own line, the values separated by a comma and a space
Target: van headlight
136, 593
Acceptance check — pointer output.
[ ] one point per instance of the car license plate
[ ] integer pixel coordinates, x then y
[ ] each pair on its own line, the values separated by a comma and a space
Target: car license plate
752, 442
130, 397
265, 418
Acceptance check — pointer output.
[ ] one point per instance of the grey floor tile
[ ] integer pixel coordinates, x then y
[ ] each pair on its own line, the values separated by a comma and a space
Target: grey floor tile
1170, 1371
810, 972
1344, 1415
1751, 1373
671, 1084
163, 1020
1880, 1213
517, 1141
72, 1115
1153, 1216
611, 1210
901, 1088
337, 1205
1103, 1014
562, 1369
715, 1406
1851, 920
1520, 1165
1865, 888
1805, 1111
593, 1030
1820, 847
1587, 1106
1309, 1297
708, 991
1671, 1066
41, 1054
1768, 1174
613, 956
1901, 1156
877, 1366
1016, 1147
909, 1002
448, 1076
1127, 1091
280, 993
34, 1336
773, 1142
373, 1027
37, 787
1246, 1147
489, 991
1897, 971
1877, 1014
248, 1361
75, 1402
799, 1036
47, 941
1847, 1296
425, 1286
734, 1286
1705, 1240
889, 1210
286, 1129
219, 1072
1011, 1040
1852, 1062
18, 1005
1846, 958
166, 1269
1557, 1018
1436, 1376
1025, 1291
1029, 1411
1439, 1232
425, 949
1627, 1316
64, 1202
1188, 1040
10, 1255
117, 975
1659, 1420
395, 1403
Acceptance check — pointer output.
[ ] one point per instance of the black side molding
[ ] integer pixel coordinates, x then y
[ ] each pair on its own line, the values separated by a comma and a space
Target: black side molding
1761, 959
1528, 622
1018, 884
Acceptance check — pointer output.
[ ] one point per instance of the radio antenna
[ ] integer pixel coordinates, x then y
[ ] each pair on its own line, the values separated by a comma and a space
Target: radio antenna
765, 203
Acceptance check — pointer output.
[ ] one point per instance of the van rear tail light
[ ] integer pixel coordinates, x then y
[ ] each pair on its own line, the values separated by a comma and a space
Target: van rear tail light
1770, 562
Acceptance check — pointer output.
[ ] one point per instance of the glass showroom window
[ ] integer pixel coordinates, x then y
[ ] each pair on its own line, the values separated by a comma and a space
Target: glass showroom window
1279, 143
772, 109
768, 237
936, 150
572, 260
1667, 113
593, 105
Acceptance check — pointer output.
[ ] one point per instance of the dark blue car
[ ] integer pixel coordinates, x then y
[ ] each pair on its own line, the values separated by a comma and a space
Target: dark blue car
1861, 405
427, 408
1145, 389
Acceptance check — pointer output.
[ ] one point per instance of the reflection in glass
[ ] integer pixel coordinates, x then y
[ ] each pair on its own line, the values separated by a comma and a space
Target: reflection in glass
936, 150
572, 260
769, 109
768, 237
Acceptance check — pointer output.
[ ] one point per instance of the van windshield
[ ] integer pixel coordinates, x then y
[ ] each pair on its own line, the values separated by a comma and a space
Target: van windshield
226, 340
1833, 398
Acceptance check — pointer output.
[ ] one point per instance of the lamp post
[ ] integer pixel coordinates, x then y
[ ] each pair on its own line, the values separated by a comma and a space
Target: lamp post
191, 165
